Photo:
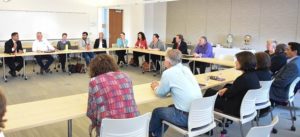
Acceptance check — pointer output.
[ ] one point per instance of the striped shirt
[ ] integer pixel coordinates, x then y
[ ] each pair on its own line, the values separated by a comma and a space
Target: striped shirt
111, 96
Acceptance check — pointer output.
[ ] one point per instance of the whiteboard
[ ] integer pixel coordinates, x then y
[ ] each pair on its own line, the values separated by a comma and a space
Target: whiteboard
51, 24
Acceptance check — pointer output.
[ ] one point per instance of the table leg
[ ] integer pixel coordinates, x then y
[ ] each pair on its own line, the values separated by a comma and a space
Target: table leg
4, 77
70, 128
24, 69
127, 51
194, 64
150, 63
161, 62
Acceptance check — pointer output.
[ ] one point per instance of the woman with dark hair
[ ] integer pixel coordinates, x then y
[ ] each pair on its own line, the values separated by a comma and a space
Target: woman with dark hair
63, 44
231, 96
263, 66
2, 112
142, 44
110, 92
279, 59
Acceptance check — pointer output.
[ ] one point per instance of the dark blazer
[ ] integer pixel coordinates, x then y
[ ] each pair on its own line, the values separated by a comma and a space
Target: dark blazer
96, 44
277, 62
9, 45
264, 75
236, 92
183, 48
283, 79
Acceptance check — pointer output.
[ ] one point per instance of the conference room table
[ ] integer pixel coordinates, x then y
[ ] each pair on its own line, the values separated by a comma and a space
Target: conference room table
28, 54
38, 113
108, 50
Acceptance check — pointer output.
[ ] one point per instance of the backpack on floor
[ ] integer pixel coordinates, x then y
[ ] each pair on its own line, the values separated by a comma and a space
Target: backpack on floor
77, 68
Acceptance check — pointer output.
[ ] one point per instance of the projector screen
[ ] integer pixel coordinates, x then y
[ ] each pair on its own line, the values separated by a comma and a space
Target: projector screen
51, 24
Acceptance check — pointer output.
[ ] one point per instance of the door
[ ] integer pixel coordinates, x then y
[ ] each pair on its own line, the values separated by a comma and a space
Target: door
115, 25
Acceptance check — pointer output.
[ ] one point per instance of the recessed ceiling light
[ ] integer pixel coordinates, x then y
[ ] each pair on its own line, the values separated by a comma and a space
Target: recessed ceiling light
6, 0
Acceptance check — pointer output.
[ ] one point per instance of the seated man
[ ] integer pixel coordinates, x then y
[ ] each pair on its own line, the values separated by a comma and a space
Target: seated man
14, 46
43, 45
280, 87
202, 50
85, 44
178, 81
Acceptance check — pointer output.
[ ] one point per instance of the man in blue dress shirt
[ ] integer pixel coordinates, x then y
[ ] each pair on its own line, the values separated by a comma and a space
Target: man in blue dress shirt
202, 50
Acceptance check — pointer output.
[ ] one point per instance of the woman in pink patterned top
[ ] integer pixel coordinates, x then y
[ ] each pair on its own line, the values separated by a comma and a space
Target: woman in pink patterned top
110, 92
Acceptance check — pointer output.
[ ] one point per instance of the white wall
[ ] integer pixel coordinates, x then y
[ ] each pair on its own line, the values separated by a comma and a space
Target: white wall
155, 20
262, 19
64, 6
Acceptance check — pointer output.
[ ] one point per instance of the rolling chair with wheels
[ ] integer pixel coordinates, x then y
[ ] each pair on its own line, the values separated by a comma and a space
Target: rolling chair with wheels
200, 119
291, 104
247, 111
262, 131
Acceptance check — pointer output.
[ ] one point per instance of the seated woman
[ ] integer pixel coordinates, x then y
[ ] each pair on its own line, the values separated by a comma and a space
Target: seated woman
62, 45
110, 92
122, 42
142, 44
263, 66
2, 112
278, 60
231, 96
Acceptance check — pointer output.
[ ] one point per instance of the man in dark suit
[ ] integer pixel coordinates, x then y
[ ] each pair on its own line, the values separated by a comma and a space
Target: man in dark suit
181, 45
279, 90
14, 46
100, 43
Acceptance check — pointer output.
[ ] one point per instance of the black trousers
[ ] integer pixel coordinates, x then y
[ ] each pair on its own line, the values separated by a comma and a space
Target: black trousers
11, 63
200, 65
62, 60
155, 59
40, 58
219, 101
121, 56
136, 56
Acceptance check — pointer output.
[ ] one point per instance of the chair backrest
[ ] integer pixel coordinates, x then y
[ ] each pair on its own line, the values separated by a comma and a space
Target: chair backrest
292, 88
263, 95
201, 112
131, 127
248, 109
262, 131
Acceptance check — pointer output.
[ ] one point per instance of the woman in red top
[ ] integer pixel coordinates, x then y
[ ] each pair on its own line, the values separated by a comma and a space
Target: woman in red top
142, 44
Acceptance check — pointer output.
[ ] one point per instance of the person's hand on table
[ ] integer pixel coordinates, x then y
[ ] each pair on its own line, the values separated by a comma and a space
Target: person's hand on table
197, 55
222, 91
154, 85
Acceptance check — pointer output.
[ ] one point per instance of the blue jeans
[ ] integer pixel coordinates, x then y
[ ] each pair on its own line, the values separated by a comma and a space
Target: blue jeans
88, 56
170, 114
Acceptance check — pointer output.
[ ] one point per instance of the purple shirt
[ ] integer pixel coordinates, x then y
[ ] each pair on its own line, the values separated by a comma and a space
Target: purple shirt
206, 50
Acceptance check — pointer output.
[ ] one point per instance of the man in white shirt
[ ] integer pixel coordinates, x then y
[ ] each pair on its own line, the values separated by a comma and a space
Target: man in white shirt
181, 84
43, 45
